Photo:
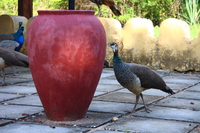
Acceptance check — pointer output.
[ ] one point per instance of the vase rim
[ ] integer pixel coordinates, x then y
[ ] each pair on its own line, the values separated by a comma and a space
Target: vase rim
65, 12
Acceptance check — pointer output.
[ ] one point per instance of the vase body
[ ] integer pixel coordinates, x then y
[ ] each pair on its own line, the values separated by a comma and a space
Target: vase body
66, 52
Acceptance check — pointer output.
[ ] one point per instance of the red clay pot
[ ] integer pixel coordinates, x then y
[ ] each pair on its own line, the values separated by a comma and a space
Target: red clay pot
66, 52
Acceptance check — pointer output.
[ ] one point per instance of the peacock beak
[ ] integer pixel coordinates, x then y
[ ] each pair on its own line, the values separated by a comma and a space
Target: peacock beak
109, 44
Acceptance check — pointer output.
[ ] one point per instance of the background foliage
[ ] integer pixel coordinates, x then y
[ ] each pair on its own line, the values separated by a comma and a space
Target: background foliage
155, 10
192, 12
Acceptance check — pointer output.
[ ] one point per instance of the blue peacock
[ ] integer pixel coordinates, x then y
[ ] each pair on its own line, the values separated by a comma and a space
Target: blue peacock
19, 37
14, 42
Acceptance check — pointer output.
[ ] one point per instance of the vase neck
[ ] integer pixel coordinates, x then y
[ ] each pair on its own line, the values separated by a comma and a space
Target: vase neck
65, 12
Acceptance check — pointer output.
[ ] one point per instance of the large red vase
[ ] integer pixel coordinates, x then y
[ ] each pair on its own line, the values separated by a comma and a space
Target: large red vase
66, 52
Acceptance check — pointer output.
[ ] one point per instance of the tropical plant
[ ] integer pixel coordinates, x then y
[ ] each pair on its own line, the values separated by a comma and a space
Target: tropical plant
45, 5
193, 12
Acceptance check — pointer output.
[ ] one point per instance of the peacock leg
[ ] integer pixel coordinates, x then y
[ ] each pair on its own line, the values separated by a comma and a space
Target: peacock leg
14, 74
146, 109
99, 7
136, 102
3, 81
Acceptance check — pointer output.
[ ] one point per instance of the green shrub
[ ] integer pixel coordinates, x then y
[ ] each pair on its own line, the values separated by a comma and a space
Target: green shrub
9, 7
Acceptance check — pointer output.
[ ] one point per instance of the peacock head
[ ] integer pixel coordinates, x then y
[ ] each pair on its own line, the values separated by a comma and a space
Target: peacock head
20, 24
113, 46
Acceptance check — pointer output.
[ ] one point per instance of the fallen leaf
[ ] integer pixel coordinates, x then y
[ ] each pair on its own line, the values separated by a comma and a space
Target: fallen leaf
191, 103
53, 127
24, 114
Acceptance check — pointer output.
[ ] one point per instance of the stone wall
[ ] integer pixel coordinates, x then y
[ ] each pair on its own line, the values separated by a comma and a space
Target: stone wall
172, 50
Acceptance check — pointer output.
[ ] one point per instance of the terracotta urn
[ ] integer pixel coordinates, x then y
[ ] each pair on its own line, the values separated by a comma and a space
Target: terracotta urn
66, 52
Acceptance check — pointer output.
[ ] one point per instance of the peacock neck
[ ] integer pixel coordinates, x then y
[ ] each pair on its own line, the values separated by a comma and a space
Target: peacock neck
116, 58
18, 34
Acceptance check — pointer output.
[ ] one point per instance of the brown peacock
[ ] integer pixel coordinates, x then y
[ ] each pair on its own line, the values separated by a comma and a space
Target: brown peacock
11, 58
136, 78
109, 3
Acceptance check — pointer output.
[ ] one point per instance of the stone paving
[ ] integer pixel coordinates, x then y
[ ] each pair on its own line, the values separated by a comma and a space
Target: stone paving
21, 110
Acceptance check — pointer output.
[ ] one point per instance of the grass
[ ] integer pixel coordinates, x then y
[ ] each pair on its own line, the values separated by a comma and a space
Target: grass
194, 31
156, 31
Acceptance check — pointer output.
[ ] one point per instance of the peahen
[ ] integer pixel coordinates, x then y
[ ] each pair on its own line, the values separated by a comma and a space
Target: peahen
109, 3
136, 78
11, 58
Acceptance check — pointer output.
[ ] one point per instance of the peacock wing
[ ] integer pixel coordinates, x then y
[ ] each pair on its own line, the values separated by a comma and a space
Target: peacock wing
6, 37
9, 44
148, 78
22, 58
13, 58
108, 2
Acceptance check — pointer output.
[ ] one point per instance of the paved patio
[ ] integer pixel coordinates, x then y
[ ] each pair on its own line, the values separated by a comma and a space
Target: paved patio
21, 110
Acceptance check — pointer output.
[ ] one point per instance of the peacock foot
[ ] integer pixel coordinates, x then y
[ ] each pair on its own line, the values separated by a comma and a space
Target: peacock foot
147, 109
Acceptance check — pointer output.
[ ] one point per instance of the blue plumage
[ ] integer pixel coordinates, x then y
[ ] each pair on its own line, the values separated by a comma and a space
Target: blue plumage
13, 41
20, 40
19, 37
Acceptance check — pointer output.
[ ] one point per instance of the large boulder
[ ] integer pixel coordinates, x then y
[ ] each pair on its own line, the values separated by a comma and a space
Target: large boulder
174, 34
10, 23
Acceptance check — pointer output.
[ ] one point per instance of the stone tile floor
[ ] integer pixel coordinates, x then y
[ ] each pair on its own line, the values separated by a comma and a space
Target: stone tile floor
21, 110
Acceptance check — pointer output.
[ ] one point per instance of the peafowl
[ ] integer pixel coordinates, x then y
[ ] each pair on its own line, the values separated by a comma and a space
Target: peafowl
136, 78
106, 64
18, 37
109, 3
2, 65
13, 41
11, 58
